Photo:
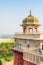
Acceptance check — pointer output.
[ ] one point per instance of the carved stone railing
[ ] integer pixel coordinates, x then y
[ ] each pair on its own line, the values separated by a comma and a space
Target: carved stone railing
27, 36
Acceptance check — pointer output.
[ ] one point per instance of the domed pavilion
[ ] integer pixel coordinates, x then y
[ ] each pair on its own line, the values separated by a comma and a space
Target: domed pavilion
30, 23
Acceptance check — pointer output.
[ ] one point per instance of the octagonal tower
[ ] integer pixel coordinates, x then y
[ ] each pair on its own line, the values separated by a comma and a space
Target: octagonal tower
28, 47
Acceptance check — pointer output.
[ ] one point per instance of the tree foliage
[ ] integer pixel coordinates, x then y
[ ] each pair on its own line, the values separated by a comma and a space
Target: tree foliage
0, 62
5, 49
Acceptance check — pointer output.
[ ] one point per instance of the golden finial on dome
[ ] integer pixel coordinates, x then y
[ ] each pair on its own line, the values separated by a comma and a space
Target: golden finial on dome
30, 18
30, 12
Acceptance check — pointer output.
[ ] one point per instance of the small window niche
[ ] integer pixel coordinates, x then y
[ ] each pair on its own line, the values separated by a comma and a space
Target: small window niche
30, 30
28, 45
42, 47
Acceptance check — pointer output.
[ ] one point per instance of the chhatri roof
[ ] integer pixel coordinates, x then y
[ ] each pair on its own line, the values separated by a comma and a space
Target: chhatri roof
30, 18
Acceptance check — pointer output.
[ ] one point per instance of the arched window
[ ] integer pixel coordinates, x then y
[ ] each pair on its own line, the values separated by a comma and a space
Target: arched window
30, 30
24, 29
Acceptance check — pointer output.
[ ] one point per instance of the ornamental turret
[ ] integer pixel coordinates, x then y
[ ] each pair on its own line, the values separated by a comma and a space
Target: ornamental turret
30, 24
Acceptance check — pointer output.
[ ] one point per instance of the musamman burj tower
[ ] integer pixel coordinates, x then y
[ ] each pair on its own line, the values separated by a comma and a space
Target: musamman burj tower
29, 43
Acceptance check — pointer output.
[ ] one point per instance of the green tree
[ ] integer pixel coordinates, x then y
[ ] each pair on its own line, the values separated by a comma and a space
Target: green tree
0, 62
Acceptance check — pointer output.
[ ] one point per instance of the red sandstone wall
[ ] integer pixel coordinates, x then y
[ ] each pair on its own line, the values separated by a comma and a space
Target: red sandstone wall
18, 60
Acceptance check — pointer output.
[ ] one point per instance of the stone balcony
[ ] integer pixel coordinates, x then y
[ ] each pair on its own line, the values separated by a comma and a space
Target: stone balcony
34, 36
27, 36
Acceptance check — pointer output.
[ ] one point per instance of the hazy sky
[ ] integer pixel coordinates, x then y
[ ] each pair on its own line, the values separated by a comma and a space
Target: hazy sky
12, 12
